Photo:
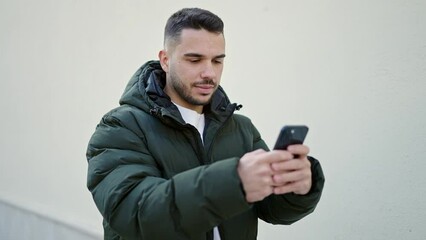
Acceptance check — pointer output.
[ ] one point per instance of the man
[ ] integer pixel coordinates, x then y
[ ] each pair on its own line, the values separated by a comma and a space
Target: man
175, 162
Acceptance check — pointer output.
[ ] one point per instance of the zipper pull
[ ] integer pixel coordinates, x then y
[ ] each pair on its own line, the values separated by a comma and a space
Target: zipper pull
155, 111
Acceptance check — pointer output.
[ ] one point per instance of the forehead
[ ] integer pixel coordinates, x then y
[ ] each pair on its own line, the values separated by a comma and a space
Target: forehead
201, 42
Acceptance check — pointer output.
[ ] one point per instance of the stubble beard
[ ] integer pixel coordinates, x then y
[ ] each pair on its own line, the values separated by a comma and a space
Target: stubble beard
184, 92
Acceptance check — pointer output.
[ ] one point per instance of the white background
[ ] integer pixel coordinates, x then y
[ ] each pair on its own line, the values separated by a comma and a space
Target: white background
353, 71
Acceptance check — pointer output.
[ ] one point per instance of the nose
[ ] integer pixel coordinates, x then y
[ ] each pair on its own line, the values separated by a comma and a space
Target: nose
208, 71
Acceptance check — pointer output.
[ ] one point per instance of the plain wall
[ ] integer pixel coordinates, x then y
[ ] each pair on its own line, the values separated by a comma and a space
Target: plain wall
353, 71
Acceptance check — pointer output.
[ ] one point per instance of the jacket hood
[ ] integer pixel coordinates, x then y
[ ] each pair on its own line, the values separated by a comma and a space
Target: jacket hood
145, 91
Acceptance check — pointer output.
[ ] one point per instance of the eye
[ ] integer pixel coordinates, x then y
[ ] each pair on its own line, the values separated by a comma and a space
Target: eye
218, 61
193, 60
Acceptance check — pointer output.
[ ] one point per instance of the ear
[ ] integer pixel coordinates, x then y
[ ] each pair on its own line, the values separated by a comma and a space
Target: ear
164, 60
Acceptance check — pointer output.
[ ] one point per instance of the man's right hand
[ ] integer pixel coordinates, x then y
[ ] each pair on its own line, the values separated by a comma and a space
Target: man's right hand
256, 173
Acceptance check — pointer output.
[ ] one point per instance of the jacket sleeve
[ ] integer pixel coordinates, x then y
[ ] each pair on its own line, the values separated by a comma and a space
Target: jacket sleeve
137, 203
289, 208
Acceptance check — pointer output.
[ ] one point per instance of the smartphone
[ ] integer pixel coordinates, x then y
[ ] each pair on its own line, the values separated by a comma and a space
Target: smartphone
291, 134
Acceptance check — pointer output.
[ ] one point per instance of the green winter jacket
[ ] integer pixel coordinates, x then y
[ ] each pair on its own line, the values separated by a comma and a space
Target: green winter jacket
153, 178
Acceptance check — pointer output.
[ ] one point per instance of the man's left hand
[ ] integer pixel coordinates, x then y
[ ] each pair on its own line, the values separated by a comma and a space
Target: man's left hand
293, 175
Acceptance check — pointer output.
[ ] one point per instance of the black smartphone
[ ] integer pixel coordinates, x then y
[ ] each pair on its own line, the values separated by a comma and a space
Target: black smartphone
290, 135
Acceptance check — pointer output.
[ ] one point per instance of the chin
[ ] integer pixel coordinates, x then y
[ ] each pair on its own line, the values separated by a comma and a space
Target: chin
203, 101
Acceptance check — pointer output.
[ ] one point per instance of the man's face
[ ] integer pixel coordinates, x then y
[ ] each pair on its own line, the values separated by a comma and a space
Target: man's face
193, 67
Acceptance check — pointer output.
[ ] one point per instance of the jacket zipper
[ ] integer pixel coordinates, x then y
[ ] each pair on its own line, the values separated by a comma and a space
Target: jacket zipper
218, 130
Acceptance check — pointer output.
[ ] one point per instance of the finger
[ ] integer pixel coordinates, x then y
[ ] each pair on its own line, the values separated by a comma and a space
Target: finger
276, 156
258, 151
298, 149
300, 187
290, 165
303, 188
288, 188
293, 176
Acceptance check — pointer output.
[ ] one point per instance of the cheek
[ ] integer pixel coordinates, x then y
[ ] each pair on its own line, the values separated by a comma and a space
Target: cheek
219, 73
189, 73
184, 75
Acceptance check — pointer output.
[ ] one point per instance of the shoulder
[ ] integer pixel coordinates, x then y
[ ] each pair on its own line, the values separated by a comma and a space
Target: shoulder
124, 119
241, 124
124, 112
242, 119
125, 115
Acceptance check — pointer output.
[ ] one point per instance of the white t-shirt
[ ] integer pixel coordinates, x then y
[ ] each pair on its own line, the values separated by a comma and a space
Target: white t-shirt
198, 121
192, 117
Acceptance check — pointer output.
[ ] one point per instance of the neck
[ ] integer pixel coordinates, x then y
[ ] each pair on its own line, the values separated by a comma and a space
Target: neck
177, 100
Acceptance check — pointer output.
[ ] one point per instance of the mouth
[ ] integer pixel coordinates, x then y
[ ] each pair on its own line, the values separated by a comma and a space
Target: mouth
205, 89
205, 86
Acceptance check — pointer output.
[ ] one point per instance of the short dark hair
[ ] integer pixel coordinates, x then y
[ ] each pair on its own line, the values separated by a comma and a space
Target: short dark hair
191, 18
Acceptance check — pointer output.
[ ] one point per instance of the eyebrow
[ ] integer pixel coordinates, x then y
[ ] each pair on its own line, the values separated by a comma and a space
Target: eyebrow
201, 56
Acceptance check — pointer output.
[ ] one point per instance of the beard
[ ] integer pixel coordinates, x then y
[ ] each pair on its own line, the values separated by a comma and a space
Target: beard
184, 91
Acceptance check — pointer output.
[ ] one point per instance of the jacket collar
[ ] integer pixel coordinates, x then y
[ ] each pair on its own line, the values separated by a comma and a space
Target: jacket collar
145, 90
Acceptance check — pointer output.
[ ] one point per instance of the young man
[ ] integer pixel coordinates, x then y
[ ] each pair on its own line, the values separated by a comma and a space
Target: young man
175, 162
